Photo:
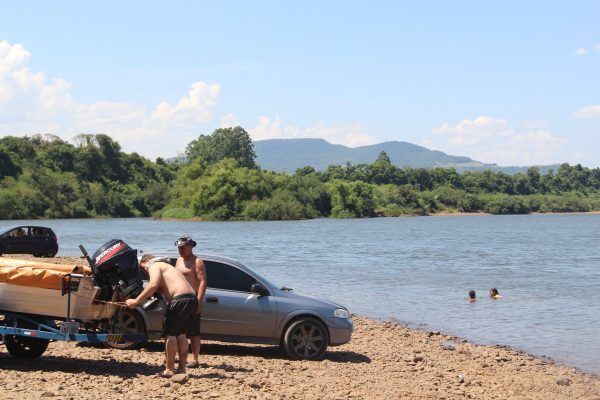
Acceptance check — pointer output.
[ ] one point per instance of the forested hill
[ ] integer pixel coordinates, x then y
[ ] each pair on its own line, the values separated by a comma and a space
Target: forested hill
289, 154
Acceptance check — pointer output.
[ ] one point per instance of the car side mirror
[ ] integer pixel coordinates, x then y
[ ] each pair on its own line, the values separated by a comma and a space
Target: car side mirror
259, 289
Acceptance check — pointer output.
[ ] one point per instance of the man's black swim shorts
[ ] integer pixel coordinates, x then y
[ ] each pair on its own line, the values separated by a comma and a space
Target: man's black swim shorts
180, 312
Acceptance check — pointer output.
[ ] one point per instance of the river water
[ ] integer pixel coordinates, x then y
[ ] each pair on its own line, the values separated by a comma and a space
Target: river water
417, 270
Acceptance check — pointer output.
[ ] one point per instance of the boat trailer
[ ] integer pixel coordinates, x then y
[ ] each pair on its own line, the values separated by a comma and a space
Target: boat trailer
27, 335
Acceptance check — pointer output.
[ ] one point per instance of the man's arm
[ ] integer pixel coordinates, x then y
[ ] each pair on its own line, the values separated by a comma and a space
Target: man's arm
201, 275
153, 284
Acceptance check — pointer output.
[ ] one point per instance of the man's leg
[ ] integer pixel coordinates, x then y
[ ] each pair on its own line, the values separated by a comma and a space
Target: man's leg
182, 348
195, 344
170, 352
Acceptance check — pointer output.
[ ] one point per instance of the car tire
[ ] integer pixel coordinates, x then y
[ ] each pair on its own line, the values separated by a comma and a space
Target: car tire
305, 339
37, 255
127, 321
51, 253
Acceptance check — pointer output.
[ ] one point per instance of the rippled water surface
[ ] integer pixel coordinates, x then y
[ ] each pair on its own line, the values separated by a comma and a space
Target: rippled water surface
417, 270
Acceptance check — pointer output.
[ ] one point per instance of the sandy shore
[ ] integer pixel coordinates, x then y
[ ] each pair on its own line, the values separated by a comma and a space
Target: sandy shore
384, 361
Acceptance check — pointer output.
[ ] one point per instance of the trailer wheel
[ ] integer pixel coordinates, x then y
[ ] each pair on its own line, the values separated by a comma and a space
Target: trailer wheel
25, 347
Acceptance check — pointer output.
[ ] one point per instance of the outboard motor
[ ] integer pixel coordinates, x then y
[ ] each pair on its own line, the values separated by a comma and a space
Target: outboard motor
115, 267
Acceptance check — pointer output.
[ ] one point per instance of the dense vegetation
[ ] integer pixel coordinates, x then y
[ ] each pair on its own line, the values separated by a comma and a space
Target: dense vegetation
45, 177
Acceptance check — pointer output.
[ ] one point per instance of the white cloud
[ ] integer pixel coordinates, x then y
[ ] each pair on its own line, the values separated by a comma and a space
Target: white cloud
229, 120
196, 107
348, 135
429, 144
589, 112
492, 140
597, 47
478, 130
581, 51
30, 103
537, 124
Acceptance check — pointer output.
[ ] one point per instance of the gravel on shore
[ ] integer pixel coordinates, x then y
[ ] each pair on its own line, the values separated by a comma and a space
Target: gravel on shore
384, 360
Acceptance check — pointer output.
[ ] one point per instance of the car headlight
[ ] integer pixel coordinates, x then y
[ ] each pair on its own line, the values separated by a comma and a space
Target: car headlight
341, 313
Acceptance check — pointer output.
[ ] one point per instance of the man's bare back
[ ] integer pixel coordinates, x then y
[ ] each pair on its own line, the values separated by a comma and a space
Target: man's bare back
173, 282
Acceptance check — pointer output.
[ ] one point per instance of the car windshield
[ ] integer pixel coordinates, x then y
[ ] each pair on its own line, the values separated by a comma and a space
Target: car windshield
4, 231
16, 233
265, 280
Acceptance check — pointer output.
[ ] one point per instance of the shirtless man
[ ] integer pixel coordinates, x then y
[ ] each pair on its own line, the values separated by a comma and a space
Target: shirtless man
193, 269
181, 308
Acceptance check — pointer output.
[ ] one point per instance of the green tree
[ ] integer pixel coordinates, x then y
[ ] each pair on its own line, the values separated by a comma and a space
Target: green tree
234, 143
7, 166
383, 158
351, 199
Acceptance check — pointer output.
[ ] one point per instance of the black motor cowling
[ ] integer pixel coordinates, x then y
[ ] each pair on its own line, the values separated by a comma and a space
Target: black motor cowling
115, 267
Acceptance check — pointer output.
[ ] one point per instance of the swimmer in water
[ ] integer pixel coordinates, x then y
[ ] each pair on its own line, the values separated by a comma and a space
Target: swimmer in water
494, 294
472, 296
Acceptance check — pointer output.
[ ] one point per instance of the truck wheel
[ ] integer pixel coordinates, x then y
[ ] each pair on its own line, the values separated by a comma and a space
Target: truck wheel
127, 321
25, 347
306, 339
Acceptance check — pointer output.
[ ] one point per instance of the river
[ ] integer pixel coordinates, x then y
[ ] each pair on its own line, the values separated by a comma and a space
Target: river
417, 270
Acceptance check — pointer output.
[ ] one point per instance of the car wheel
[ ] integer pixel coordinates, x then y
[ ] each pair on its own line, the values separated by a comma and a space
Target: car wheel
306, 339
126, 321
37, 254
51, 253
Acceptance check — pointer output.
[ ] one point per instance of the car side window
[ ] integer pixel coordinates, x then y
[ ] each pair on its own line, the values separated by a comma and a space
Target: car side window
39, 232
227, 277
18, 233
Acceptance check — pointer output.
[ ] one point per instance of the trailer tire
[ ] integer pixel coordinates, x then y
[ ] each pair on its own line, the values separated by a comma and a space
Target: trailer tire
25, 347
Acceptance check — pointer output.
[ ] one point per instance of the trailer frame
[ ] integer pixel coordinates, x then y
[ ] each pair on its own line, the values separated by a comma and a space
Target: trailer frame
28, 335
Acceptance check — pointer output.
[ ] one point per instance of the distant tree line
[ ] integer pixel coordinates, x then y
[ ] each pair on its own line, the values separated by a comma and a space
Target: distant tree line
46, 177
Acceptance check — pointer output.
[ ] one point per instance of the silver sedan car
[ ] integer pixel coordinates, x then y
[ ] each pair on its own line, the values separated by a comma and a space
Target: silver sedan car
240, 305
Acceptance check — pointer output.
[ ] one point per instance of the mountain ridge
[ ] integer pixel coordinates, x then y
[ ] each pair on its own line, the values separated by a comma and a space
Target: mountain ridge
289, 154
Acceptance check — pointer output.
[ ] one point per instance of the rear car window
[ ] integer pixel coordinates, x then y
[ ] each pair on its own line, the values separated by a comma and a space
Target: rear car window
40, 232
227, 277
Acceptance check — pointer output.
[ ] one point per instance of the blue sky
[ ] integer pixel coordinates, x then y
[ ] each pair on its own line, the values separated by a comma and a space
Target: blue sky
516, 83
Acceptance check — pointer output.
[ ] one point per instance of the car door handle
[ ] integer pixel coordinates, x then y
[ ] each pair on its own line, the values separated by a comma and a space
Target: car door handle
212, 300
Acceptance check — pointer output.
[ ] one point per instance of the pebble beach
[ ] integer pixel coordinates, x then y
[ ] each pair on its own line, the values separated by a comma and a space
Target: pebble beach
384, 360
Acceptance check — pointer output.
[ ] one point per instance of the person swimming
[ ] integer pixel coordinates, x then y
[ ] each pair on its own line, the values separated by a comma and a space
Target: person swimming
494, 294
472, 296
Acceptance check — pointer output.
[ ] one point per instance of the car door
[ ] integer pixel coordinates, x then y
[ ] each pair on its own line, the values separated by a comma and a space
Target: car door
19, 242
9, 241
230, 308
37, 240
